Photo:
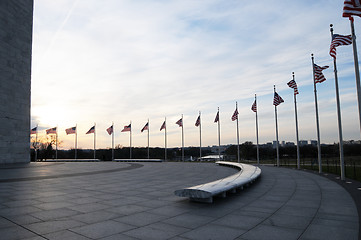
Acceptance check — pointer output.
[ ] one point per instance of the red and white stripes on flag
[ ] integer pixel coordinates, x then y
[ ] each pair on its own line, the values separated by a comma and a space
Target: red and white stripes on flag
235, 115
254, 106
351, 7
163, 126
146, 127
34, 130
51, 130
198, 122
277, 100
71, 130
110, 130
339, 40
127, 128
319, 77
293, 84
180, 122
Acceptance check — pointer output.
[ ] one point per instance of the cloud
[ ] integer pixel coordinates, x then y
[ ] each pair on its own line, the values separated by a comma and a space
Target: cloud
124, 60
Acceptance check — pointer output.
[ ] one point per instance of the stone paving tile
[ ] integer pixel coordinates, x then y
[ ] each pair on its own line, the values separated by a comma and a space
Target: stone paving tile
239, 222
15, 232
282, 220
94, 217
65, 235
267, 232
52, 226
156, 231
212, 231
24, 219
88, 207
46, 215
53, 205
102, 229
140, 219
127, 209
316, 231
189, 220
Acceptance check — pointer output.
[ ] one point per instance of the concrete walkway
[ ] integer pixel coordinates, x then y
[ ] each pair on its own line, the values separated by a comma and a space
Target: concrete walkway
112, 200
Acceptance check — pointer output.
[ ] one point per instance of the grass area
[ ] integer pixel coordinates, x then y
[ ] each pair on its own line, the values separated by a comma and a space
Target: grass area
329, 165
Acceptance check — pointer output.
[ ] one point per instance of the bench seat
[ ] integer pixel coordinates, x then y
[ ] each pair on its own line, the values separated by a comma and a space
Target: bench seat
205, 192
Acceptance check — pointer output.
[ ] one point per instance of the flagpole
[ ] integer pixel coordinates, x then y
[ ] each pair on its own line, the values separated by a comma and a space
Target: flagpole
317, 120
219, 137
255, 98
357, 71
94, 141
112, 141
148, 138
277, 147
200, 137
36, 143
165, 139
342, 163
182, 140
130, 149
76, 139
296, 119
238, 158
56, 141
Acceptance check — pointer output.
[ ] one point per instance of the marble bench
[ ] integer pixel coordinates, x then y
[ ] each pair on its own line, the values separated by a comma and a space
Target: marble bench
205, 192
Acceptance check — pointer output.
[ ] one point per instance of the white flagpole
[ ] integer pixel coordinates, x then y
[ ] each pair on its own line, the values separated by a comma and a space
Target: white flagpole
76, 139
94, 140
113, 141
296, 119
255, 98
56, 141
182, 139
342, 163
200, 137
357, 71
219, 136
238, 156
277, 145
165, 139
36, 143
130, 149
148, 138
317, 121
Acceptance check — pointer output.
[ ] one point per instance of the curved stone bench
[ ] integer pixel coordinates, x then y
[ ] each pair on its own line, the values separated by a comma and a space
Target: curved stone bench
206, 192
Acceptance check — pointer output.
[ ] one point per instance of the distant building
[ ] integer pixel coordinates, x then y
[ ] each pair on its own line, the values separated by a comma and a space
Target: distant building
303, 142
290, 144
313, 142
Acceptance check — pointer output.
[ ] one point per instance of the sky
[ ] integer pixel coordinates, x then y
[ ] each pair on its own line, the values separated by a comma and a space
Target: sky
133, 60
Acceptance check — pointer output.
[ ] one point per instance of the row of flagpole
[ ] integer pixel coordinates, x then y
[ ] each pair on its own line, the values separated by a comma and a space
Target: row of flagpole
351, 8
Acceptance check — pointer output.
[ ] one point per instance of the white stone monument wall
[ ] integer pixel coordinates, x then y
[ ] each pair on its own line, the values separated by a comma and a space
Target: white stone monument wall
16, 26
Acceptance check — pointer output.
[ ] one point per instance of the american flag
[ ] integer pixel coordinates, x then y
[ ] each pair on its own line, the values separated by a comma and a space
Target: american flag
339, 40
217, 117
146, 127
319, 77
277, 100
51, 130
198, 122
235, 115
180, 122
127, 128
91, 130
34, 130
70, 130
254, 106
351, 7
293, 84
110, 130
162, 127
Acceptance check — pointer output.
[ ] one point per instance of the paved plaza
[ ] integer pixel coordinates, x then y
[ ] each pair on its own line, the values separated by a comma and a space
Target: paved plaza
118, 200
